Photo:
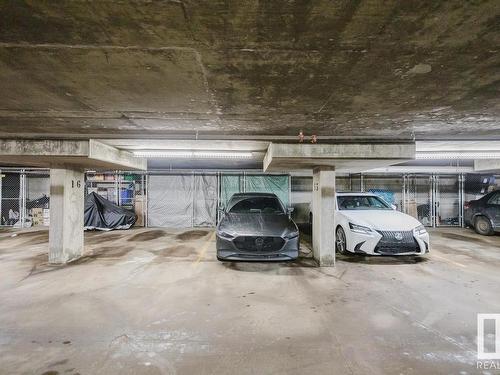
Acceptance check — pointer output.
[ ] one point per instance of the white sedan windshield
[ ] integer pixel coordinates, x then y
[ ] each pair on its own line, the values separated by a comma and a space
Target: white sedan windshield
361, 202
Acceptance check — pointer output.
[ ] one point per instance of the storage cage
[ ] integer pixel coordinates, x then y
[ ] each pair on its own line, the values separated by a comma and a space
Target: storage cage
388, 187
25, 197
125, 189
196, 198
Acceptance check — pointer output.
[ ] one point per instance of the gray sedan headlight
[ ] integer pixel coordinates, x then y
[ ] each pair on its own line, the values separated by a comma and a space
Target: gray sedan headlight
359, 228
225, 235
291, 235
420, 230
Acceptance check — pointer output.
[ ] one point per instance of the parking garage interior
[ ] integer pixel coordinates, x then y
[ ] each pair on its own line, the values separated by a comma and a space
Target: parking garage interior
168, 108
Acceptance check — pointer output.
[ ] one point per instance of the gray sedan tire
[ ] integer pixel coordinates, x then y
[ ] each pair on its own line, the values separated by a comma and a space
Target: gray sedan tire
482, 225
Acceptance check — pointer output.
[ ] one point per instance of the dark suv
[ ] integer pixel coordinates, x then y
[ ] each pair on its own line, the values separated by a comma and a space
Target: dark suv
484, 214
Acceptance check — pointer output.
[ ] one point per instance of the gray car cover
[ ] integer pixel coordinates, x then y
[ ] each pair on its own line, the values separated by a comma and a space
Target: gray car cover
101, 214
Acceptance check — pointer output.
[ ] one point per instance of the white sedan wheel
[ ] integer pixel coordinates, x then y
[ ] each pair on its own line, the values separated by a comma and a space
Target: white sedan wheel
340, 241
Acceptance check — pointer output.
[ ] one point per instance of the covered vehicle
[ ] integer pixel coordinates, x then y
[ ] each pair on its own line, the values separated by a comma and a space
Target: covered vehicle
101, 214
256, 226
484, 214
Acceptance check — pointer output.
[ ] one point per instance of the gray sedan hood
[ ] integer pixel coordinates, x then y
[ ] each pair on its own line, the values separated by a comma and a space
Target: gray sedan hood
256, 224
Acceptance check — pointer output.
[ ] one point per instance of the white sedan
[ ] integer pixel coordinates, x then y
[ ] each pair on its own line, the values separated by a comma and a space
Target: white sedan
366, 224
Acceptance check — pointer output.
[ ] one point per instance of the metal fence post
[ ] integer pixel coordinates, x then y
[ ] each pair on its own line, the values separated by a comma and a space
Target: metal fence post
289, 190
117, 188
146, 200
218, 203
193, 185
403, 192
435, 196
22, 198
461, 193
1, 196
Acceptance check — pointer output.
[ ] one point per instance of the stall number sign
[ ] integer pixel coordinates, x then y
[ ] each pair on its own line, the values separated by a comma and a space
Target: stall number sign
77, 184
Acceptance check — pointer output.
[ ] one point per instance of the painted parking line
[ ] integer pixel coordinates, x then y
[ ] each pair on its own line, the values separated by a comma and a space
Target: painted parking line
449, 261
204, 249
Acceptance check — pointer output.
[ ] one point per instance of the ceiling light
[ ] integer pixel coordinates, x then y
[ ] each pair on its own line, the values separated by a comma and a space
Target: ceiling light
193, 154
458, 155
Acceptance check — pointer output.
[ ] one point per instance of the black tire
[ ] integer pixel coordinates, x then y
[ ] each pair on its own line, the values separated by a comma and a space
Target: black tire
341, 241
482, 225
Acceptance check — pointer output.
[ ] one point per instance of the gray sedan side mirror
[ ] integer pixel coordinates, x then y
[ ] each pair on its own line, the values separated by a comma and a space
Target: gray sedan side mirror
394, 207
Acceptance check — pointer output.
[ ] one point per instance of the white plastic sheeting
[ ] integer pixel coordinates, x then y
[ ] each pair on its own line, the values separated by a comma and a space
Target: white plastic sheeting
182, 201
277, 184
205, 200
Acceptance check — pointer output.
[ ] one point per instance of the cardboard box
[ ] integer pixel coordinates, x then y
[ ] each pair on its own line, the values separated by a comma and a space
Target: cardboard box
36, 221
37, 211
139, 211
412, 208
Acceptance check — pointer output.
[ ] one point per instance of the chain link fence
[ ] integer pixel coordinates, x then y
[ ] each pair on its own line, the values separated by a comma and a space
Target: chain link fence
10, 202
418, 198
435, 200
127, 190
388, 187
25, 198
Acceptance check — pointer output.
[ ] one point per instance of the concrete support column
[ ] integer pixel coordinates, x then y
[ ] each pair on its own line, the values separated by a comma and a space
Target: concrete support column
323, 229
66, 215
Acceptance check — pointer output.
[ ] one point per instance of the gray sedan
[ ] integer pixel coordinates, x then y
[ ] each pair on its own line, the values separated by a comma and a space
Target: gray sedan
257, 227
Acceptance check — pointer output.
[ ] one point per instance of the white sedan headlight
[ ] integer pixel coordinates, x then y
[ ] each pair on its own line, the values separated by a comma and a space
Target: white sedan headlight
360, 229
420, 230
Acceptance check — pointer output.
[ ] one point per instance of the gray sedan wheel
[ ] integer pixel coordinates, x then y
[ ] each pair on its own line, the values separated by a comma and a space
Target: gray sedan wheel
483, 226
340, 241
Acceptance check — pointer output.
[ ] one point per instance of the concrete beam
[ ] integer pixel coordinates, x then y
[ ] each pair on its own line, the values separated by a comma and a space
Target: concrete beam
487, 165
74, 154
343, 157
184, 144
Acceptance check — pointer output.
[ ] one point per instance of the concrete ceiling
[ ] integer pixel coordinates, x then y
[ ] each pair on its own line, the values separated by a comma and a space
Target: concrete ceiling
250, 69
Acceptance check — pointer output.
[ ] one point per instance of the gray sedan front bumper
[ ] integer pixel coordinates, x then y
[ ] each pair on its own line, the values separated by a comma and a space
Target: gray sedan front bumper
227, 250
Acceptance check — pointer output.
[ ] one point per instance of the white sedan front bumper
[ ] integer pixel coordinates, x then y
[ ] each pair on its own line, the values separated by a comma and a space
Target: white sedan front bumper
388, 243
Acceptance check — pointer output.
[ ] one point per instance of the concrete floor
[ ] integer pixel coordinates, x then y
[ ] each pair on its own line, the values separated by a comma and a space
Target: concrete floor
154, 301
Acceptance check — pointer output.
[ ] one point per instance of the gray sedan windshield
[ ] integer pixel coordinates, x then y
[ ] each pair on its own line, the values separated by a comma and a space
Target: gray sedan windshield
263, 205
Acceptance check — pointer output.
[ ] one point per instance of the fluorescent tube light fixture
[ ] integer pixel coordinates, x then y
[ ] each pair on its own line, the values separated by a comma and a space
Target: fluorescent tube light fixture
173, 154
458, 155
